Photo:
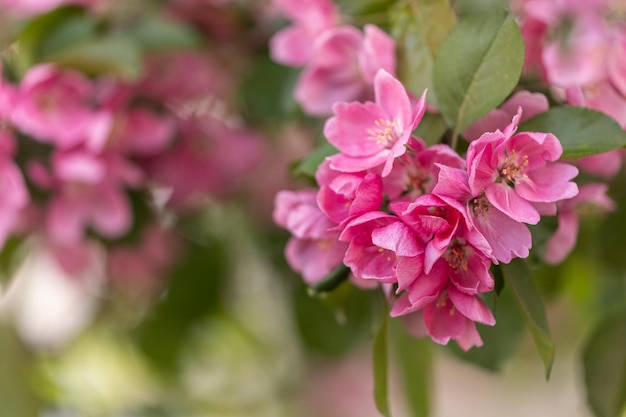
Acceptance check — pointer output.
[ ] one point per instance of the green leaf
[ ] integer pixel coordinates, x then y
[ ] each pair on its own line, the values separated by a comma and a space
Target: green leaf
465, 7
333, 323
431, 128
108, 55
331, 281
194, 291
499, 341
604, 359
12, 255
419, 28
156, 33
413, 359
581, 131
307, 167
380, 357
518, 278
478, 65
48, 32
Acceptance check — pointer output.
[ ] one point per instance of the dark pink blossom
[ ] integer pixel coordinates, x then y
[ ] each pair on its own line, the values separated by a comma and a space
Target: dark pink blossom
516, 170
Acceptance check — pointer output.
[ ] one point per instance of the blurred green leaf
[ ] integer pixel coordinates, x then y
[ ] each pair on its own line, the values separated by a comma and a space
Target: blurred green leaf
518, 279
431, 128
465, 7
156, 33
11, 257
604, 359
331, 281
581, 131
266, 93
50, 32
333, 323
419, 28
17, 397
477, 66
413, 359
380, 359
117, 55
195, 290
364, 7
307, 167
499, 341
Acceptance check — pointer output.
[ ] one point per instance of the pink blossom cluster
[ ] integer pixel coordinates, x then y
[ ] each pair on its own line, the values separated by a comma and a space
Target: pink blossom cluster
339, 60
422, 221
102, 162
579, 48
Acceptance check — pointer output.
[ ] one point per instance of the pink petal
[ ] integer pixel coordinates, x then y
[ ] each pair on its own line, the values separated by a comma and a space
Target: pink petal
393, 99
505, 199
471, 307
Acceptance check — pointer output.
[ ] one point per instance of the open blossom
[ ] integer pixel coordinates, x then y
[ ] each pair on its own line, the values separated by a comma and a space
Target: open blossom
343, 67
516, 170
373, 134
486, 218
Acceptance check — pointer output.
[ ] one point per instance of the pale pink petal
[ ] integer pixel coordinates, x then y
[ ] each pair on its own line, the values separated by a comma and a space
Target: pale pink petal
564, 239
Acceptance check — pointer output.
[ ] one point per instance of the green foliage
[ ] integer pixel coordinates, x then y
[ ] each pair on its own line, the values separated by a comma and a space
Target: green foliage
16, 391
604, 360
419, 28
581, 131
380, 359
266, 92
307, 167
478, 65
499, 341
331, 281
414, 362
70, 37
195, 290
333, 323
518, 279
431, 128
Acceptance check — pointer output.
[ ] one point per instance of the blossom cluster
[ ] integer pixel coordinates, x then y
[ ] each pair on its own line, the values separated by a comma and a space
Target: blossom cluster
426, 222
421, 220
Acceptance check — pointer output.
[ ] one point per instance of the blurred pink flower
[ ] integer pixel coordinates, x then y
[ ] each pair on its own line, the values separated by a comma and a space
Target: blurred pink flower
13, 189
295, 44
343, 67
53, 105
314, 250
592, 198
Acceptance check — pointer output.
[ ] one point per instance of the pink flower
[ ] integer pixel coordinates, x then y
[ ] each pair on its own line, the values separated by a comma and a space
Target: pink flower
376, 240
486, 218
437, 221
515, 171
451, 314
53, 105
343, 68
314, 250
89, 193
591, 198
372, 134
295, 44
415, 173
344, 196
